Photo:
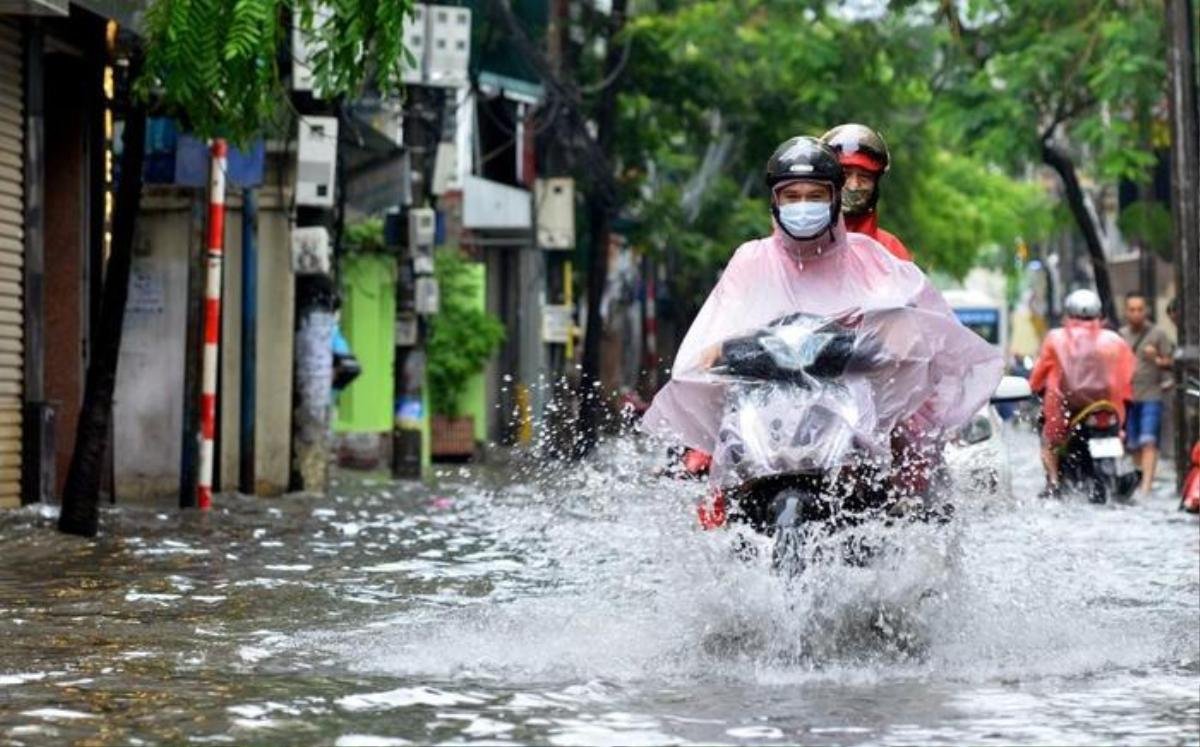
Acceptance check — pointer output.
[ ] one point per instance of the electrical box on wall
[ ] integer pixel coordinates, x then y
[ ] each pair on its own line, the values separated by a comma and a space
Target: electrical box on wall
310, 251
555, 201
422, 226
316, 161
422, 223
445, 169
302, 50
449, 40
423, 261
302, 76
415, 32
427, 302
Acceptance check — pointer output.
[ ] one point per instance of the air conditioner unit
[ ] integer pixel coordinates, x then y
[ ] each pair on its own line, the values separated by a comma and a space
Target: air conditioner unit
449, 40
555, 204
310, 251
416, 35
316, 161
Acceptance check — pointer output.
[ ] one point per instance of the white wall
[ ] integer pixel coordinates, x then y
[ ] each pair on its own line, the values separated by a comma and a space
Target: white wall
148, 414
148, 407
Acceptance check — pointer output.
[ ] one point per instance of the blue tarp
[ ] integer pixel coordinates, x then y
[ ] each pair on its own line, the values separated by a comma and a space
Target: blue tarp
177, 158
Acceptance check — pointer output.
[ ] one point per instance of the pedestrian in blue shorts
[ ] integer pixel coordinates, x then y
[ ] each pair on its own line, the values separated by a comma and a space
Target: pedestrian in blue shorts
1153, 349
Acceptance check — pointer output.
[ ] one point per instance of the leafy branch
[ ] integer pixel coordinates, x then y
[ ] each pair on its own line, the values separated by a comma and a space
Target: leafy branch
214, 64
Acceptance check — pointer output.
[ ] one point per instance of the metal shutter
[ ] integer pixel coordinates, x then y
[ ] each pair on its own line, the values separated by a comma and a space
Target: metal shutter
12, 243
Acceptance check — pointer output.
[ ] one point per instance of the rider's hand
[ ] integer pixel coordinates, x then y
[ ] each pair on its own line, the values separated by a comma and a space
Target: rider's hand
709, 357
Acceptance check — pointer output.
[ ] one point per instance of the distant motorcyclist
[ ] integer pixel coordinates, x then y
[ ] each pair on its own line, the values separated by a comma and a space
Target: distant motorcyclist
811, 264
1080, 363
865, 159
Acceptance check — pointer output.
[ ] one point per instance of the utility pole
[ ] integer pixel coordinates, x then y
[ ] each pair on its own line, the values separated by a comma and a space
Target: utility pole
560, 417
316, 294
249, 364
1185, 211
410, 231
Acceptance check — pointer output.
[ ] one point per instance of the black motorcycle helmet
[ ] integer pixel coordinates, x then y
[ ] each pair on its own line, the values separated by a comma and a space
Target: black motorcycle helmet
805, 157
859, 145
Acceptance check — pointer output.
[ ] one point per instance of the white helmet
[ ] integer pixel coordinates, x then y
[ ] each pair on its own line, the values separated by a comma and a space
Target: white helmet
1082, 304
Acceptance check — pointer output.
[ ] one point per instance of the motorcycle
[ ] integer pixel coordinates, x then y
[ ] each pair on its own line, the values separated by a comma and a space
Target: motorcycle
795, 451
1091, 460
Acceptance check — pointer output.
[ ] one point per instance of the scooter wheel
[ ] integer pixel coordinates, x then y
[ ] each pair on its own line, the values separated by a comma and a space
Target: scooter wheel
1098, 493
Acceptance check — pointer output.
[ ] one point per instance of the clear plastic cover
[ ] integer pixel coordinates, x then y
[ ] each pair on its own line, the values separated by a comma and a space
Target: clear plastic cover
1081, 363
807, 364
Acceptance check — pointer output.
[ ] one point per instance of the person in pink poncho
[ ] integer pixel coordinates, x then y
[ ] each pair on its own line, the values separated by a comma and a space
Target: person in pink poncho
811, 264
1080, 363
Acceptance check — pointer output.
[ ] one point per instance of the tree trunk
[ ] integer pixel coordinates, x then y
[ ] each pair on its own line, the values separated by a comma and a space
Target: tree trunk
81, 494
1185, 212
1058, 160
592, 401
600, 204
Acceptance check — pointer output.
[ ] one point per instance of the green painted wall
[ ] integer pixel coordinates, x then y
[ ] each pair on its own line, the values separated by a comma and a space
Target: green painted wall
474, 398
368, 320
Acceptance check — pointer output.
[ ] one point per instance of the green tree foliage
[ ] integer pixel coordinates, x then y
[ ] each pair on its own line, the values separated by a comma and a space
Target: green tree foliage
462, 337
215, 63
1068, 83
716, 85
364, 235
1019, 72
1149, 225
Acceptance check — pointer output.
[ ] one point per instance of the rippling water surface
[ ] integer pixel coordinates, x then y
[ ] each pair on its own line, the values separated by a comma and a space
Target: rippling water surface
581, 605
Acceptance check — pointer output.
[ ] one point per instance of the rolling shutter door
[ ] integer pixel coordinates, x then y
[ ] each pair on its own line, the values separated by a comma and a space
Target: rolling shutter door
12, 243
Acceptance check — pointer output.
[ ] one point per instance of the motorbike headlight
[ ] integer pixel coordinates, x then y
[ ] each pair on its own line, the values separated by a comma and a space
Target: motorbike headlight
978, 430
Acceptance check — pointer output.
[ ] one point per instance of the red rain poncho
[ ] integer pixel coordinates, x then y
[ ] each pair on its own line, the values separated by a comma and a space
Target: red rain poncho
950, 372
868, 225
1081, 363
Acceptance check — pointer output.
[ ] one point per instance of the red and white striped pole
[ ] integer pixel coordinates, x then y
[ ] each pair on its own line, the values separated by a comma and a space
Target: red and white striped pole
212, 322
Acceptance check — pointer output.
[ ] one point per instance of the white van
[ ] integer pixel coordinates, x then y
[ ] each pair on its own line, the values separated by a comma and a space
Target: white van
981, 313
979, 455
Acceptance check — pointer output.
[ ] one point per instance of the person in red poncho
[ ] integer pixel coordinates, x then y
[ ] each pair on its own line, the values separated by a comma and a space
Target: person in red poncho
1080, 363
865, 159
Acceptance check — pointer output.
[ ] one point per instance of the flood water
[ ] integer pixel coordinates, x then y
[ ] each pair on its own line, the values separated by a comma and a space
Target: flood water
582, 605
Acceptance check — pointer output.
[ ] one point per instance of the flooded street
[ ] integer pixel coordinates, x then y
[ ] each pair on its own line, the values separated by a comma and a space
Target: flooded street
584, 606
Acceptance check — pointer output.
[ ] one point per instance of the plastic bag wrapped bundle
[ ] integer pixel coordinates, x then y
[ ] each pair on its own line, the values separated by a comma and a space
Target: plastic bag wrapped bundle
809, 394
789, 404
767, 389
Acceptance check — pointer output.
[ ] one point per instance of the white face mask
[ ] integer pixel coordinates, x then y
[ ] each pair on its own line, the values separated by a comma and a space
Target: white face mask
804, 220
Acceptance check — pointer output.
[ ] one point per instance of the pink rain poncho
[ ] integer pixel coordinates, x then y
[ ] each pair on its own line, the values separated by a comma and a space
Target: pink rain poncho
928, 373
1081, 363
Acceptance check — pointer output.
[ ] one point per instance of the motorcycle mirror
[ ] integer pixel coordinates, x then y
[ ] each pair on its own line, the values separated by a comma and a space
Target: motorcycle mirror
1012, 389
